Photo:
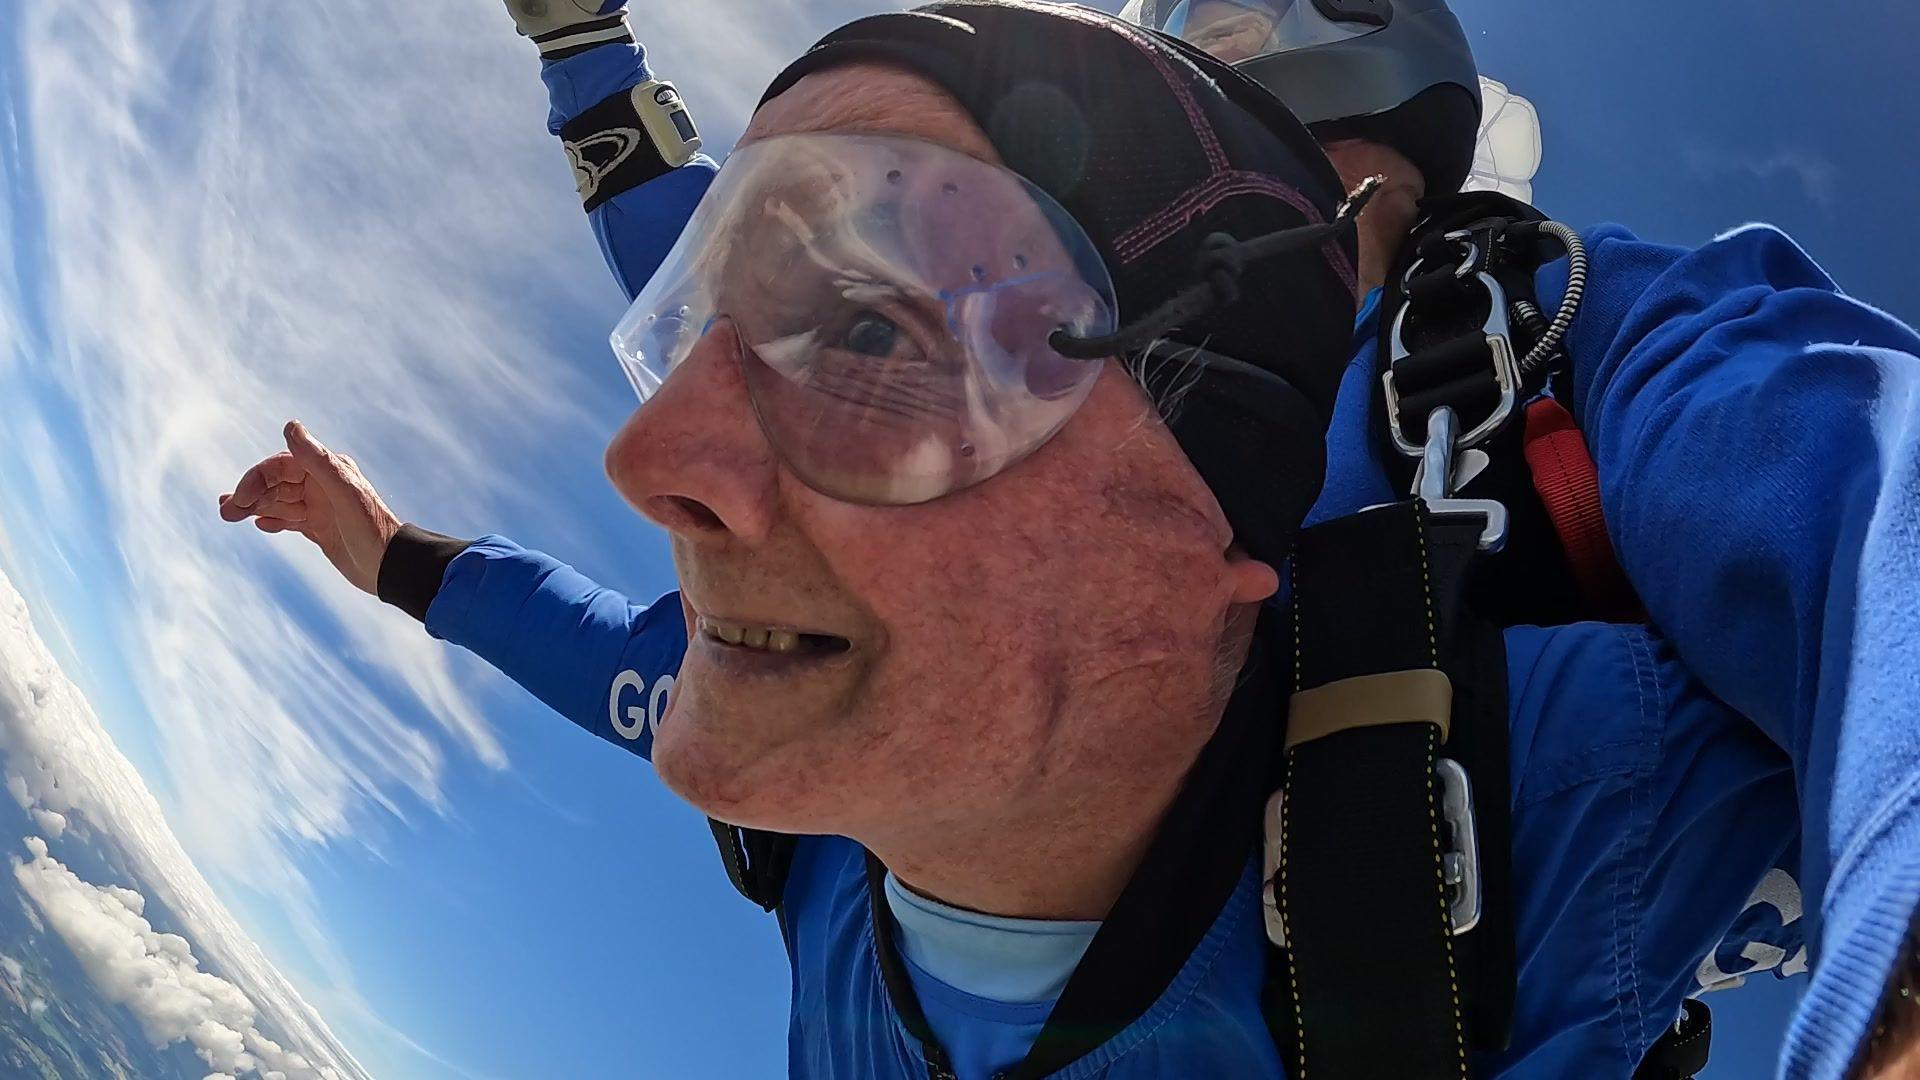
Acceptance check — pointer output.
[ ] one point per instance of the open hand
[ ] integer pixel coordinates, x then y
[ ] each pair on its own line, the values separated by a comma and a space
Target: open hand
321, 495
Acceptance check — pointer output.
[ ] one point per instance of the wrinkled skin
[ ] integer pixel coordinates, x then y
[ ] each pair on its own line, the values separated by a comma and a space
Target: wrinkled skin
1034, 661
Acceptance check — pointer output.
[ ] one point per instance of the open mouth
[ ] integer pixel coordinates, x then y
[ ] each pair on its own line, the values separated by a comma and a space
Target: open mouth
772, 639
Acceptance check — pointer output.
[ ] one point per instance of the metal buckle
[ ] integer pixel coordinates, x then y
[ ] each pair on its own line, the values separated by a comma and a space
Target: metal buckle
1506, 370
1438, 474
1459, 862
1270, 866
1435, 479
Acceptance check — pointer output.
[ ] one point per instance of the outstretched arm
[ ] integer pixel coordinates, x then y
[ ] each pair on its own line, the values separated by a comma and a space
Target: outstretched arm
639, 178
589, 653
603, 662
1758, 439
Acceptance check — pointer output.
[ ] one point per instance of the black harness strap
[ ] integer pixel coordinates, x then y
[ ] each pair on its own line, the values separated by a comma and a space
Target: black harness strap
1681, 1053
1376, 981
756, 862
893, 974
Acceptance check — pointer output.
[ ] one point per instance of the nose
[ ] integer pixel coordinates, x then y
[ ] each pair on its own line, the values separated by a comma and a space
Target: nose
693, 457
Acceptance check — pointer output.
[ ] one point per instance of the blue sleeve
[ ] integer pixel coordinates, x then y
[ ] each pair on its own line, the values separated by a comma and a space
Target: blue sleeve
1757, 434
636, 229
590, 654
1644, 813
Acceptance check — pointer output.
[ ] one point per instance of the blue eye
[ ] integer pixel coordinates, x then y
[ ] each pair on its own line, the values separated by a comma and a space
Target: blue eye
873, 335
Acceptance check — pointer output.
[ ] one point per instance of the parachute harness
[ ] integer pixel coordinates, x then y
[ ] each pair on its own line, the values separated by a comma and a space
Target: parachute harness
1399, 689
1461, 311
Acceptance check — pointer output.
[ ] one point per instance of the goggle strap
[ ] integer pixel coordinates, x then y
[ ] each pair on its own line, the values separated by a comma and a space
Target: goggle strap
1220, 265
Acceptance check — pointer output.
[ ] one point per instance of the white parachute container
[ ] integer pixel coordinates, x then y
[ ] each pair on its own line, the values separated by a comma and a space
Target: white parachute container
1508, 153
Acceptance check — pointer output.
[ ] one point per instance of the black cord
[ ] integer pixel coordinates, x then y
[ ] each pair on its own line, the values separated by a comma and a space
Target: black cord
1222, 260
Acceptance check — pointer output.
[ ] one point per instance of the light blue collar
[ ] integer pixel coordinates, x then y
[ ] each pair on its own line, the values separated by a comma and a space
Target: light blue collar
1015, 961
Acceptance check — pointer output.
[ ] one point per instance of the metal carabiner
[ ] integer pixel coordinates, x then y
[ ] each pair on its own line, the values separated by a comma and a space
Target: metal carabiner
1434, 481
1505, 370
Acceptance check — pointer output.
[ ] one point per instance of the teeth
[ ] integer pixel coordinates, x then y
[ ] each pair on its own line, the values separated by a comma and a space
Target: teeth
755, 637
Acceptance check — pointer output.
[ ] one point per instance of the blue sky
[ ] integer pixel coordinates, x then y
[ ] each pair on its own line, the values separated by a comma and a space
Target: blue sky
221, 215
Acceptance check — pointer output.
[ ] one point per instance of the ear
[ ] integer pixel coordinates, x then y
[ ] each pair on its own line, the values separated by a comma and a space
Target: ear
1250, 579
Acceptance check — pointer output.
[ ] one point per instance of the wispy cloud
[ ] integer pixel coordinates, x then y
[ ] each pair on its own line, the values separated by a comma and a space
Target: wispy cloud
1816, 178
348, 212
315, 210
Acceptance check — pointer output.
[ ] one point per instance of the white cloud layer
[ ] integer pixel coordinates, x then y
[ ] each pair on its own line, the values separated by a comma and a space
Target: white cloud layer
153, 974
59, 763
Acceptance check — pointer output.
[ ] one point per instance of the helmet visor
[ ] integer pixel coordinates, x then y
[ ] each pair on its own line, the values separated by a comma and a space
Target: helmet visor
889, 302
1239, 30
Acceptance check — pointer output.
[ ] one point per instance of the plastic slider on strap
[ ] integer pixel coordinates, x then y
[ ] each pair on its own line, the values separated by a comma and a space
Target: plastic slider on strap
1423, 695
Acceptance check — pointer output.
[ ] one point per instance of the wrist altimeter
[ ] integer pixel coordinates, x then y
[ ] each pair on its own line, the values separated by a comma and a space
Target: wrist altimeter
628, 139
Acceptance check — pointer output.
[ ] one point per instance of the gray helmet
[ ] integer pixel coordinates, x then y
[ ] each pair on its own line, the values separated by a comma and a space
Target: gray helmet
1397, 72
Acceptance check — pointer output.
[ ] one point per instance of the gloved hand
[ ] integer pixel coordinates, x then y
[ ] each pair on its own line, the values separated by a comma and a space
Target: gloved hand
568, 24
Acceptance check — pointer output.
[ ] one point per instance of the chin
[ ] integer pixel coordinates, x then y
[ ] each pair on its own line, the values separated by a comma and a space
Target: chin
711, 780
730, 782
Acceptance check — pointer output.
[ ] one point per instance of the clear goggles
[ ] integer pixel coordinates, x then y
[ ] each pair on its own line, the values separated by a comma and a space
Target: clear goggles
1240, 30
889, 302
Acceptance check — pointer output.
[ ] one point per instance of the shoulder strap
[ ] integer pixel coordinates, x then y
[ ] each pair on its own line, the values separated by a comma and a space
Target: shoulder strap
1390, 884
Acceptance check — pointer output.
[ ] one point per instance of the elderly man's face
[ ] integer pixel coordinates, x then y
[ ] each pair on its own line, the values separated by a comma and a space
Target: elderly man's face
1059, 625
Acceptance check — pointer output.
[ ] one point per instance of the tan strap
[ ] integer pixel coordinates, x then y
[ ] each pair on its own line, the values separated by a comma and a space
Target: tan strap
1423, 695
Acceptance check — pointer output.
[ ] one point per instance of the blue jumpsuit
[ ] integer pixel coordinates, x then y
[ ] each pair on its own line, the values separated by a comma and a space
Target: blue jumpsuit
1758, 440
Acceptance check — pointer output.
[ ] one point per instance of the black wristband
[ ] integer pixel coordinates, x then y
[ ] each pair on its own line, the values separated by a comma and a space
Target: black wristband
412, 569
611, 150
